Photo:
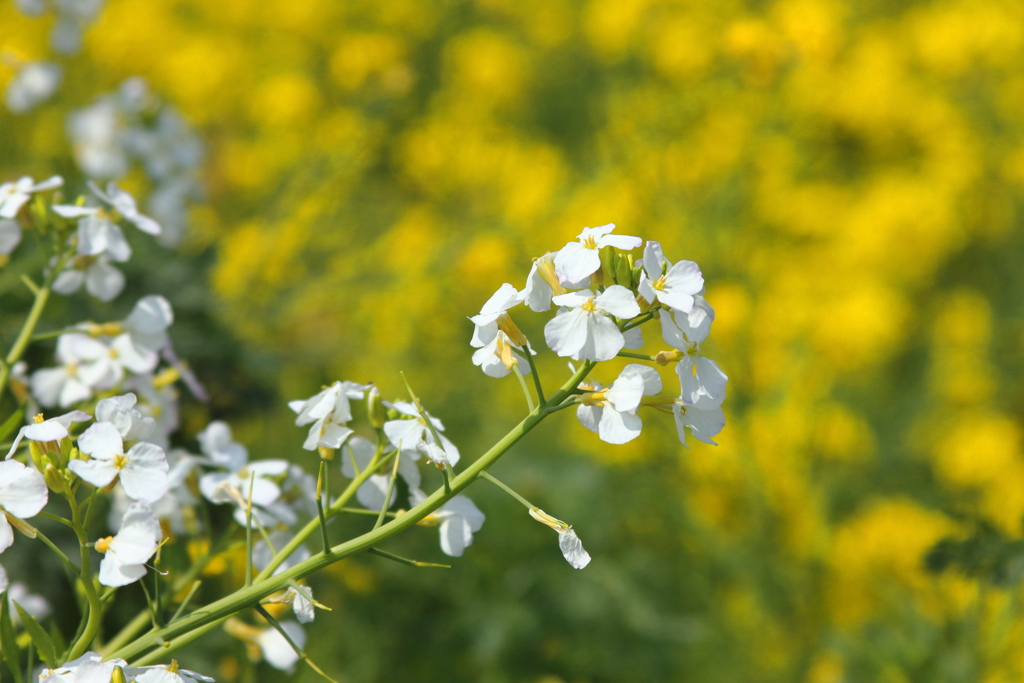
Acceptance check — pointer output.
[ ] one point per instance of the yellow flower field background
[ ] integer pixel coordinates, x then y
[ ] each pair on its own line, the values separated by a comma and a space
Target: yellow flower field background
848, 176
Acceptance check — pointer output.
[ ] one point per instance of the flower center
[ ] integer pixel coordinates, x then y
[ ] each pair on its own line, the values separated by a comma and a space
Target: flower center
589, 306
659, 284
120, 460
103, 545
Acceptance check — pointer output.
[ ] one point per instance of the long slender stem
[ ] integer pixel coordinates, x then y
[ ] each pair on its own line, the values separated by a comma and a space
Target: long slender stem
95, 607
536, 375
183, 631
522, 383
507, 489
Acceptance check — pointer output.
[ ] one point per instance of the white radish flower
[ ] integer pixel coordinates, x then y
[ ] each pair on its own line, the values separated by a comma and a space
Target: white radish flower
125, 554
23, 494
54, 429
458, 519
568, 542
84, 368
611, 411
577, 260
408, 434
586, 331
329, 411
673, 285
16, 194
543, 283
142, 471
704, 418
698, 376
164, 673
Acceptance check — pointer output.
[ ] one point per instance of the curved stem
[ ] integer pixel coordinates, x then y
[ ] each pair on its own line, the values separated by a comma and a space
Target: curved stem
95, 606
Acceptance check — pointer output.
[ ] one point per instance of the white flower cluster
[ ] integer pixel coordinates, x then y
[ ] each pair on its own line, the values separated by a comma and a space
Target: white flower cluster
603, 297
132, 127
90, 668
409, 435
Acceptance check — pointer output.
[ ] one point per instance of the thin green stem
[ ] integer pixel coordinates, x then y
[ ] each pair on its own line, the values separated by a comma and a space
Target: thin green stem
188, 599
95, 606
522, 383
507, 489
173, 636
536, 375
60, 553
320, 486
638, 356
391, 487
42, 296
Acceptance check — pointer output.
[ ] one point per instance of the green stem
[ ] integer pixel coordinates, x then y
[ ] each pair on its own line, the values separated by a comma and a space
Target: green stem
638, 356
507, 489
95, 611
42, 296
536, 376
181, 632
526, 391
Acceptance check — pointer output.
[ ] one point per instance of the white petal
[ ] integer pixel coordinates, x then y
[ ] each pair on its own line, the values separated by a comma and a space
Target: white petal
572, 549
618, 301
23, 491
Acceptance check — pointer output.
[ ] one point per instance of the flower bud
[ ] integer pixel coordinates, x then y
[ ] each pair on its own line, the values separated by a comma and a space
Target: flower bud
54, 480
117, 675
326, 453
35, 449
375, 411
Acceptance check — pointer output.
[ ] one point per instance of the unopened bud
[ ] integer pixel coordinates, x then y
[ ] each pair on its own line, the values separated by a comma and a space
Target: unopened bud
607, 273
547, 520
105, 329
624, 271
117, 675
35, 449
515, 335
375, 411
666, 357
326, 452
54, 479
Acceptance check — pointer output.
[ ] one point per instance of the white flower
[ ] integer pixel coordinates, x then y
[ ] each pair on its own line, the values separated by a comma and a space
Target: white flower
10, 237
407, 434
611, 412
698, 376
328, 410
125, 205
84, 368
276, 650
585, 331
97, 233
217, 444
568, 542
125, 555
54, 429
23, 494
142, 471
244, 481
704, 418
162, 673
147, 324
89, 668
487, 320
371, 494
33, 84
673, 285
119, 411
16, 194
457, 520
95, 135
102, 280
542, 283
301, 600
576, 260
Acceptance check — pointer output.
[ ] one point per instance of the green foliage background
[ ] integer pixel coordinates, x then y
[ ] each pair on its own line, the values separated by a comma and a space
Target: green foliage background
849, 177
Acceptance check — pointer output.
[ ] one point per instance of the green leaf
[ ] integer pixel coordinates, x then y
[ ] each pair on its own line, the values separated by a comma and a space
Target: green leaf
42, 640
8, 645
11, 423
